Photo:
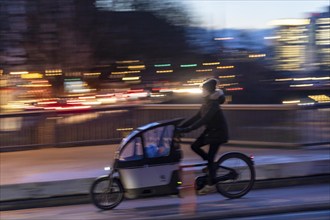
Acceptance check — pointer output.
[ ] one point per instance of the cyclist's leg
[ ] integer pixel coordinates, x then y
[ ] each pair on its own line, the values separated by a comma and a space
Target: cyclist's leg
197, 145
214, 147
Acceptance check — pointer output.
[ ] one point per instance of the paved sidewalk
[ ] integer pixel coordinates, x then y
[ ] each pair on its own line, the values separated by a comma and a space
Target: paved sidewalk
55, 172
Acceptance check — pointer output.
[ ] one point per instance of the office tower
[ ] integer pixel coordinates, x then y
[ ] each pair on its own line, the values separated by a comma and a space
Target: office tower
291, 44
320, 39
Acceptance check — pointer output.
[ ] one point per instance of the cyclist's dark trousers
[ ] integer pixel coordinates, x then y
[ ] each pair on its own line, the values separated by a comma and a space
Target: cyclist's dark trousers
209, 157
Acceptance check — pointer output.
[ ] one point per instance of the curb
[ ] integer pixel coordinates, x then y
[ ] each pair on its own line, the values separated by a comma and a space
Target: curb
75, 199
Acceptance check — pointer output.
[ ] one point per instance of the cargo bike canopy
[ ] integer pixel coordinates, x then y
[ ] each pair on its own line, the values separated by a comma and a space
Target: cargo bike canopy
152, 141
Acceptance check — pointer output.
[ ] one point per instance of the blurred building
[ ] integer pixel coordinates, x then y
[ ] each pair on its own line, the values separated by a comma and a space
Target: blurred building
13, 26
73, 35
291, 44
39, 35
320, 39
302, 44
70, 39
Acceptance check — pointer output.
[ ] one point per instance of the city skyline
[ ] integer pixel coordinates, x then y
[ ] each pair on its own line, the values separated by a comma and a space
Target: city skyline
221, 14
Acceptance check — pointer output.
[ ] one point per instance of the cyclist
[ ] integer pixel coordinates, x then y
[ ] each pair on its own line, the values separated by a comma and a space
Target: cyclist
216, 131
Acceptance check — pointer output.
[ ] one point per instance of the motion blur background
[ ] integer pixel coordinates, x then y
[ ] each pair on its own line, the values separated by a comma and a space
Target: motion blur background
88, 72
80, 54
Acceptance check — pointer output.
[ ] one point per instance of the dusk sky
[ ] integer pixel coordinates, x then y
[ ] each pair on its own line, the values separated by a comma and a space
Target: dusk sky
251, 13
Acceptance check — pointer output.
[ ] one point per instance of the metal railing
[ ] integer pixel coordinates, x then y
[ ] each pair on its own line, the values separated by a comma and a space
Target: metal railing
277, 125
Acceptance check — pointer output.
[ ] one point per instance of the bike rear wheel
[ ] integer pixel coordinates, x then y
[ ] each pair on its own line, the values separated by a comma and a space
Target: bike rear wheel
235, 175
106, 193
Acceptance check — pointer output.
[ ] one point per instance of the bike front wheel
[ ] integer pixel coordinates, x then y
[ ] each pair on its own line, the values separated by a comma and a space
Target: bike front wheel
235, 175
106, 193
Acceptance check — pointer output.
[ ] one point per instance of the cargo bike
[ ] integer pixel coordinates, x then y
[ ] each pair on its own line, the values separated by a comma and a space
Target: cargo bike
148, 163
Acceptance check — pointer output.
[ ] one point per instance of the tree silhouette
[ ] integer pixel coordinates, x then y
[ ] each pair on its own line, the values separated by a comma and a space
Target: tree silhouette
173, 11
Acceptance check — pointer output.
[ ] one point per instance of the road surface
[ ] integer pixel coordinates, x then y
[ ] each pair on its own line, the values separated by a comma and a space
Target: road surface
299, 202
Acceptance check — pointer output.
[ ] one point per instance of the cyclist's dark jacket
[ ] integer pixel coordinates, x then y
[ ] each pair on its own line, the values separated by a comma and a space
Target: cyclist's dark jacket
210, 115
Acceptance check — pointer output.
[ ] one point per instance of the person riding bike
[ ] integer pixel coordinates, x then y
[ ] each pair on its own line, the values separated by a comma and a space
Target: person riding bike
216, 130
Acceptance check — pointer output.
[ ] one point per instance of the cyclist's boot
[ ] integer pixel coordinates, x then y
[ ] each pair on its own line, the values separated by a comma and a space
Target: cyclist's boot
207, 189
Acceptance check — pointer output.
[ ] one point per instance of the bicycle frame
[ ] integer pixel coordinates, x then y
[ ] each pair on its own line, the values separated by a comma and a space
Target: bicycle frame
230, 176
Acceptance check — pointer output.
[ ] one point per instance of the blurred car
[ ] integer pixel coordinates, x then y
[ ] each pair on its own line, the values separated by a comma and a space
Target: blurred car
64, 106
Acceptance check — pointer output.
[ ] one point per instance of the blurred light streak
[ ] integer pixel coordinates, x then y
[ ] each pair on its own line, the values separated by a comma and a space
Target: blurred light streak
302, 85
35, 85
138, 95
32, 76
223, 38
127, 61
307, 103
211, 64
235, 89
114, 111
164, 71
107, 100
225, 67
272, 37
323, 42
72, 79
85, 102
166, 90
192, 91
68, 108
228, 76
195, 82
156, 95
323, 21
105, 95
162, 65
124, 129
53, 71
291, 102
205, 70
91, 74
228, 84
19, 72
81, 90
135, 90
130, 78
302, 79
188, 65
289, 22
47, 103
126, 72
53, 74
284, 79
137, 67
256, 55
87, 97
